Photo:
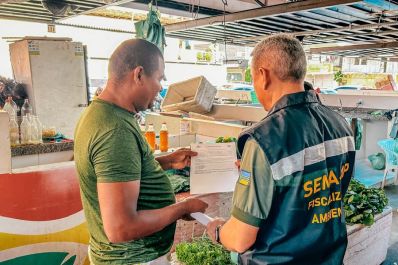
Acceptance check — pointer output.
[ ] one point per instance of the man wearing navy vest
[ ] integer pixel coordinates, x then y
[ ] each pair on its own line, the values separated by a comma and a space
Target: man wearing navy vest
295, 168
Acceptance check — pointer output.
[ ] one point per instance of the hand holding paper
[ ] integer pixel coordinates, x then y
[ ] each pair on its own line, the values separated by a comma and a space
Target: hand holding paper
213, 169
202, 218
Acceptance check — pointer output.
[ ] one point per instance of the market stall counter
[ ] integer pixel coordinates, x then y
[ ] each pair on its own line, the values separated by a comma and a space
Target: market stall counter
42, 218
41, 154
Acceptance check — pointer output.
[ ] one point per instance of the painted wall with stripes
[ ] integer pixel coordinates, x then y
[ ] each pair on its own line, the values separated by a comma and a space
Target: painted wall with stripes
42, 219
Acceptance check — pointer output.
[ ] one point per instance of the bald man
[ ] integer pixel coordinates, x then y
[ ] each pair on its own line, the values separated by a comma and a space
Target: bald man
127, 198
295, 168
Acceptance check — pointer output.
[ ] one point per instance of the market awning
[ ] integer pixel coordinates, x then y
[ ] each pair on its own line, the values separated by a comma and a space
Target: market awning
316, 21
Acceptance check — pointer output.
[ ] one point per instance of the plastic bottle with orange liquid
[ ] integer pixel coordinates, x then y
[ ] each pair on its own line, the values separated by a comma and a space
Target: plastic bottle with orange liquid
151, 136
164, 138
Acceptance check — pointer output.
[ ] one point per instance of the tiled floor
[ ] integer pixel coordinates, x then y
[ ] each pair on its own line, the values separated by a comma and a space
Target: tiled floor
369, 176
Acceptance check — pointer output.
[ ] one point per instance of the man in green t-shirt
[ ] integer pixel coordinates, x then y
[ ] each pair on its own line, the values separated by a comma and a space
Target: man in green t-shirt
127, 198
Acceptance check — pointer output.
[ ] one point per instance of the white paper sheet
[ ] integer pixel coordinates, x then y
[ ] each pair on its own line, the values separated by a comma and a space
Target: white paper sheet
213, 169
202, 218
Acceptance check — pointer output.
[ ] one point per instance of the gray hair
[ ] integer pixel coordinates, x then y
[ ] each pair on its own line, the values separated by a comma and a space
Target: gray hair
284, 54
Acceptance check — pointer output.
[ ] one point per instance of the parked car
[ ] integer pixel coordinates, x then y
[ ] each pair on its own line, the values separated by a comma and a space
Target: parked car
349, 87
164, 91
248, 88
342, 88
328, 91
237, 86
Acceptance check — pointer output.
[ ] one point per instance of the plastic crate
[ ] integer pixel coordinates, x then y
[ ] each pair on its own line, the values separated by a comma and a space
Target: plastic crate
193, 95
389, 147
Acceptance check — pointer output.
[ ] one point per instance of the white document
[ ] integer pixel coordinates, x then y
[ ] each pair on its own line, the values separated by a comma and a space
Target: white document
202, 218
213, 169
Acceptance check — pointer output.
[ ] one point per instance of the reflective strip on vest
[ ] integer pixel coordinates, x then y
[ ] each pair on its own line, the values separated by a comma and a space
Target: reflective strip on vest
311, 155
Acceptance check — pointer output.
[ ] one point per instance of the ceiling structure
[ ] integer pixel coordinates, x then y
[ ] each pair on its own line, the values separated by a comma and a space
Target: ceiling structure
39, 11
245, 22
314, 21
200, 8
34, 10
376, 50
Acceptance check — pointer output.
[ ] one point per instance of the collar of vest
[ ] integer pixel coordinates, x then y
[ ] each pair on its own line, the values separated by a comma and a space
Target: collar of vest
294, 99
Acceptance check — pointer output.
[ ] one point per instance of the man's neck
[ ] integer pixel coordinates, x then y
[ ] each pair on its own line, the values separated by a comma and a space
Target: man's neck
119, 99
285, 89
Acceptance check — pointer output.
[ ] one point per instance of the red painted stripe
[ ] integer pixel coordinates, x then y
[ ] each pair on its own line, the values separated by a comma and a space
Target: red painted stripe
40, 195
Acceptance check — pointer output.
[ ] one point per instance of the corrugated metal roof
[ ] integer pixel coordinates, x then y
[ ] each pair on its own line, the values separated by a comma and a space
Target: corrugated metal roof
317, 21
33, 10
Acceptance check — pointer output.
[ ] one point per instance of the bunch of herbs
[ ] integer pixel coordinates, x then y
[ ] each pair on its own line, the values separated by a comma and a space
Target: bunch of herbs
361, 204
201, 251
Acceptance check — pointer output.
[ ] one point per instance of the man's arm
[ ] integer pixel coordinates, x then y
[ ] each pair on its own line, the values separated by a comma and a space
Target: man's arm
122, 222
118, 169
234, 235
251, 202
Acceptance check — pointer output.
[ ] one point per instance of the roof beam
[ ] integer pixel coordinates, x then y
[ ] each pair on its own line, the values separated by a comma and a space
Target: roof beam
356, 47
11, 1
378, 33
21, 1
259, 12
233, 5
339, 29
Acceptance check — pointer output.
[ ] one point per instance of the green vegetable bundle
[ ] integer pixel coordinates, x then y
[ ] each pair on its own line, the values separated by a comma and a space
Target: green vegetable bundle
361, 204
201, 251
225, 139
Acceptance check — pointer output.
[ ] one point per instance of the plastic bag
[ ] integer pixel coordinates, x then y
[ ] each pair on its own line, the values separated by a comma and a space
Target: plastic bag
396, 146
378, 161
151, 29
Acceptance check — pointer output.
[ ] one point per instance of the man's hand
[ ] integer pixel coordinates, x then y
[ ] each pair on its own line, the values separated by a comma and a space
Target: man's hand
211, 228
176, 160
193, 205
181, 158
237, 164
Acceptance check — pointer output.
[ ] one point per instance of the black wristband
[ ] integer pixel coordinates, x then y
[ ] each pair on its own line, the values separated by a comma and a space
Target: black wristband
218, 234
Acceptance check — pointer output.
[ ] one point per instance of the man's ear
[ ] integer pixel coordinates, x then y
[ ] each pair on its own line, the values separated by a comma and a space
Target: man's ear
265, 77
137, 74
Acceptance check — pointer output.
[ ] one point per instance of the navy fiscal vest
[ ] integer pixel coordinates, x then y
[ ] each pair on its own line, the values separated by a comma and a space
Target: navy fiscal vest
311, 152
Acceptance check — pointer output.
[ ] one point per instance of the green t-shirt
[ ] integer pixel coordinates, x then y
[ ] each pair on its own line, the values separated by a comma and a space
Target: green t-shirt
109, 147
254, 189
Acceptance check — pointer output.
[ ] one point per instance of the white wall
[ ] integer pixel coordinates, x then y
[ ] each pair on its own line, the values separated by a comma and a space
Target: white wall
101, 44
322, 80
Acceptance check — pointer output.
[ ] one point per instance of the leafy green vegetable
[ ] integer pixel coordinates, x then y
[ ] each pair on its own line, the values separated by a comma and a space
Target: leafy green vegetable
225, 139
361, 204
201, 251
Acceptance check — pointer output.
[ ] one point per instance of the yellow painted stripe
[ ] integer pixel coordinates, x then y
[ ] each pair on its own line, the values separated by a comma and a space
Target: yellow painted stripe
78, 234
244, 182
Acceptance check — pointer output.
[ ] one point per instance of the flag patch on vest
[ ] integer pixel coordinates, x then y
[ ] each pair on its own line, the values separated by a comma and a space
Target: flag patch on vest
244, 177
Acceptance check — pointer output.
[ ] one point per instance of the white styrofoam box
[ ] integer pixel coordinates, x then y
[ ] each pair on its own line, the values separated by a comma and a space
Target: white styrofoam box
5, 147
192, 95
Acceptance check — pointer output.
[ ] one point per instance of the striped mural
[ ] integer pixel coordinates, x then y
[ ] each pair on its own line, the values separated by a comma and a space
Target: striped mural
41, 218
